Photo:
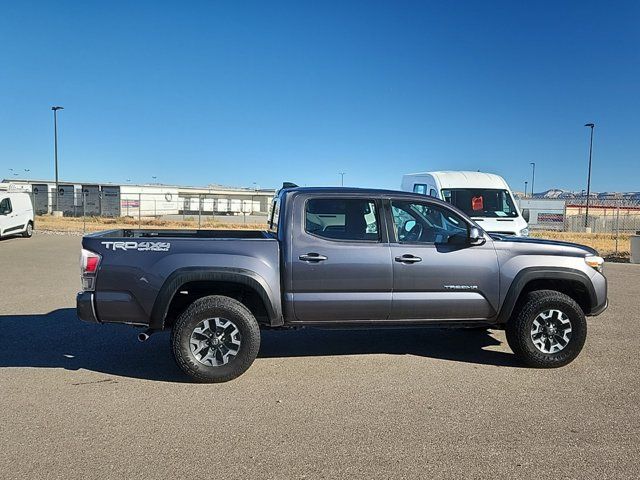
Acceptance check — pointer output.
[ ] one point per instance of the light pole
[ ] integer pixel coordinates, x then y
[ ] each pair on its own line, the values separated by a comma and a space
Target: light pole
586, 215
525, 188
341, 178
533, 178
55, 147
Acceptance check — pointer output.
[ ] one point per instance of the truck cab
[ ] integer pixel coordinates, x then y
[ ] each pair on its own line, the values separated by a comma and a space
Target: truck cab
485, 197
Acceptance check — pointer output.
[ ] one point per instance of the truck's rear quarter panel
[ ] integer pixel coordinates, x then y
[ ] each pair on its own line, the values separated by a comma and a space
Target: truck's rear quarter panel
133, 270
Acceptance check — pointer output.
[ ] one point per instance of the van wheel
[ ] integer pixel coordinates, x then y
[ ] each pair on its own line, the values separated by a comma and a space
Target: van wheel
548, 330
216, 339
28, 233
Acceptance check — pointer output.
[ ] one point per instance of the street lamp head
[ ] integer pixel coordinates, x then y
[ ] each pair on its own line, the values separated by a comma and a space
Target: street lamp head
57, 108
589, 125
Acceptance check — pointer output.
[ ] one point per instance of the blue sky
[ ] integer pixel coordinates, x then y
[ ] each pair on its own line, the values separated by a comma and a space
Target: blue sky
241, 92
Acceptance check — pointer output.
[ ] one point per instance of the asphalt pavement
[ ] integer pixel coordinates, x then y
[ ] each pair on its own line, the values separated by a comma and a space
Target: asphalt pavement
90, 401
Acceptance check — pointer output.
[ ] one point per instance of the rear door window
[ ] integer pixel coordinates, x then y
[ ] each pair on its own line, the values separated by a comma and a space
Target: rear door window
342, 219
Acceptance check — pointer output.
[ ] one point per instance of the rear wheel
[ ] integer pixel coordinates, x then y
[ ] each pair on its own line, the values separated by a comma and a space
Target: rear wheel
548, 330
216, 339
28, 231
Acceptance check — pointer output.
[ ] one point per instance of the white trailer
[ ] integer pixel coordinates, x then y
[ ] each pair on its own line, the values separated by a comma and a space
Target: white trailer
149, 200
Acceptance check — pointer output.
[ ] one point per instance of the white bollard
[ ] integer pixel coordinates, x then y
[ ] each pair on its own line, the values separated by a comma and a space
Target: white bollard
635, 248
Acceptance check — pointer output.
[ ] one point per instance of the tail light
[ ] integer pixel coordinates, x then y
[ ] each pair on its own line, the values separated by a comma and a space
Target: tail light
89, 263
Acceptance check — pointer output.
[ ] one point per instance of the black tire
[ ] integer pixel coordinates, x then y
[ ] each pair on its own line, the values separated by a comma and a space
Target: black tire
213, 307
28, 232
519, 329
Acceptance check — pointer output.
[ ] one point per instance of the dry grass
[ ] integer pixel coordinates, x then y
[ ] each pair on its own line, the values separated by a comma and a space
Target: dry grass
96, 224
605, 244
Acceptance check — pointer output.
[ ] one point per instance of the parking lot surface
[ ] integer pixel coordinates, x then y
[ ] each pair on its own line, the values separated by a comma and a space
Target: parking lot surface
90, 401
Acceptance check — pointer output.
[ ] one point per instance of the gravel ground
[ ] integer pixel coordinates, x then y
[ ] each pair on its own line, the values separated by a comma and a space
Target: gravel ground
89, 401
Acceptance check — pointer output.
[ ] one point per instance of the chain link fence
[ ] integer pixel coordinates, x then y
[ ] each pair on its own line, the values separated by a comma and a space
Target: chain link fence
606, 216
611, 216
607, 227
197, 208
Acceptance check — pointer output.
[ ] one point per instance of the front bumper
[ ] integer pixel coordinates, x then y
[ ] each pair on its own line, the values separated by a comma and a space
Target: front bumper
85, 307
599, 309
600, 285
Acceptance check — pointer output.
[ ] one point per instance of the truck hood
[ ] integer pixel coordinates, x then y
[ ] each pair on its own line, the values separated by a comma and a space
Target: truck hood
541, 245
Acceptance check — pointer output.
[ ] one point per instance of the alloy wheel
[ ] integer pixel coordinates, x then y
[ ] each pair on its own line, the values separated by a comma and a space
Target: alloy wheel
215, 341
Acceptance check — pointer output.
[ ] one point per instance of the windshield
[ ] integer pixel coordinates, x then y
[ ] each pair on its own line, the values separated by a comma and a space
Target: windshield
481, 202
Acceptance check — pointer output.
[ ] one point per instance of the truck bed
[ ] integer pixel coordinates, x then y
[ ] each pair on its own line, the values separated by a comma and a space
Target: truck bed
136, 264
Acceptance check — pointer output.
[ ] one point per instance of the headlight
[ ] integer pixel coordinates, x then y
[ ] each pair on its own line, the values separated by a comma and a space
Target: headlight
524, 232
594, 262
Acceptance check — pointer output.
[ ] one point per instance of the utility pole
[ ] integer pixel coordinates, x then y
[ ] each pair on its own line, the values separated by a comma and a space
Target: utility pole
55, 147
342, 178
586, 215
533, 178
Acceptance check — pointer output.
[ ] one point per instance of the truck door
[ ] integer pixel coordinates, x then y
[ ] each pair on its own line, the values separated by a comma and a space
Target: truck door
9, 221
340, 260
437, 273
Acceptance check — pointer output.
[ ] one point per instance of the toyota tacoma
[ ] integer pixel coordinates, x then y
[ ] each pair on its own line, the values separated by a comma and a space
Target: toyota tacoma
340, 257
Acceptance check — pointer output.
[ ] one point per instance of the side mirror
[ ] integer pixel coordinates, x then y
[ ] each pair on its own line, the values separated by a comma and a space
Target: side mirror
476, 237
525, 214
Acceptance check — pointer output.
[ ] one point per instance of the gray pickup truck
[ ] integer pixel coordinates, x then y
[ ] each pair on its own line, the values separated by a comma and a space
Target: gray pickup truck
340, 257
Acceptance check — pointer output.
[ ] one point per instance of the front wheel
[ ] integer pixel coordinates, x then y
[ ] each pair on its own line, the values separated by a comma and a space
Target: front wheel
548, 330
28, 233
216, 339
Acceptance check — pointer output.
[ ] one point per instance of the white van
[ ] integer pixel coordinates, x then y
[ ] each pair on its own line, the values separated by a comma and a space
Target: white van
16, 213
484, 197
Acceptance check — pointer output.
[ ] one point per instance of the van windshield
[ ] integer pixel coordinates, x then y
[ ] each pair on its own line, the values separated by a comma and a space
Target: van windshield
481, 202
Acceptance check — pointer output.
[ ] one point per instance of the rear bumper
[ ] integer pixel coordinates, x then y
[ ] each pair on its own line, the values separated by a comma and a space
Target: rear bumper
85, 307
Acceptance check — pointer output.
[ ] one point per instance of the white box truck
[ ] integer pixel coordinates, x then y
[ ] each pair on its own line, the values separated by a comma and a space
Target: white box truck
485, 197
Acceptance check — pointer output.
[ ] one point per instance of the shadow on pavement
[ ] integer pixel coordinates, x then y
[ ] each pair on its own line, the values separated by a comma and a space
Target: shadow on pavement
59, 340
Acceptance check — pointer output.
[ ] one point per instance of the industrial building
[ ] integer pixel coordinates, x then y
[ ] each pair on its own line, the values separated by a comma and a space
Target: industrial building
155, 200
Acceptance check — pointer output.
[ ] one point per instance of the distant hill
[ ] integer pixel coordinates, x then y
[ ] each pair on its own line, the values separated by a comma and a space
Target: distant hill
559, 193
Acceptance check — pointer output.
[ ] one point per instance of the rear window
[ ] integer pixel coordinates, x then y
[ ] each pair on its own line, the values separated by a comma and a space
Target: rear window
342, 219
275, 215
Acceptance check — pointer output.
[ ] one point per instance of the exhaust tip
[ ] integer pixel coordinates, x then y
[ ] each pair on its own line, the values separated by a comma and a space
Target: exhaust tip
143, 337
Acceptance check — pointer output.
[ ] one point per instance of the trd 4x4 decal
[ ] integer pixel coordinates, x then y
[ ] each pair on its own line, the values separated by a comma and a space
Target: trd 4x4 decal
138, 246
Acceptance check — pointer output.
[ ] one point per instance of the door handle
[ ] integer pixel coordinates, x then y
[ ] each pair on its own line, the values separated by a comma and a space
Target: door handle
312, 257
408, 258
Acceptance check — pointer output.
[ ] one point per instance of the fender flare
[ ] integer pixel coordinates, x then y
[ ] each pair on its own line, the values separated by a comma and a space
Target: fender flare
529, 274
220, 274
